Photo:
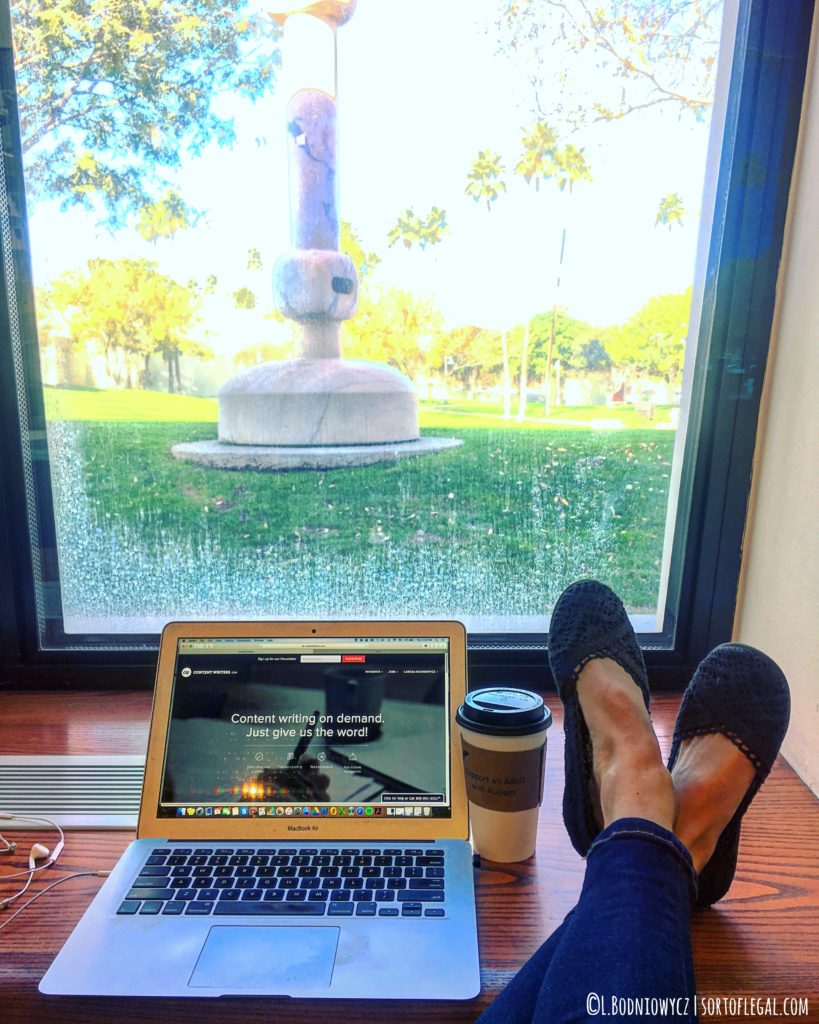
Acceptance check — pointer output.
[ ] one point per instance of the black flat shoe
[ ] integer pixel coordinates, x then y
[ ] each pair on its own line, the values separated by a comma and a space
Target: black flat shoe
741, 693
589, 621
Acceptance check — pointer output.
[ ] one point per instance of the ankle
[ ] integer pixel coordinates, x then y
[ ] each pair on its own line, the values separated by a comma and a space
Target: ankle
612, 704
630, 777
634, 783
710, 778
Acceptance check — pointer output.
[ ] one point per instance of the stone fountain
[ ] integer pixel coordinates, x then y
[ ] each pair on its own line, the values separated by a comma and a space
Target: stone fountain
318, 411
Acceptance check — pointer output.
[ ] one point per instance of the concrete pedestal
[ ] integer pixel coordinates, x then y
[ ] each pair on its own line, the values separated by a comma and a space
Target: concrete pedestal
318, 402
270, 458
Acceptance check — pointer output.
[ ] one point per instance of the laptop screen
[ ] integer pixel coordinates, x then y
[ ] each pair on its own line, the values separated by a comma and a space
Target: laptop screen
347, 727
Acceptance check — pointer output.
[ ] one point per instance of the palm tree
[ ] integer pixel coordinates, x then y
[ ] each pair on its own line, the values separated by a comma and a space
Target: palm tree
484, 179
484, 182
670, 211
542, 158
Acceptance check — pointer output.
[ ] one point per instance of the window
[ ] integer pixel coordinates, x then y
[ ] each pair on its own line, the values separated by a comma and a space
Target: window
522, 241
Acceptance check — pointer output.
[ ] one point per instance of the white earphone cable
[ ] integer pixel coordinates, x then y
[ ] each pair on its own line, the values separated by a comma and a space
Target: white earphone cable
52, 857
8, 900
59, 881
38, 851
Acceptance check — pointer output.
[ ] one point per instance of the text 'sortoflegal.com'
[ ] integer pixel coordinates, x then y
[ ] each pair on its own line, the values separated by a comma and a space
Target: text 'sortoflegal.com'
743, 1007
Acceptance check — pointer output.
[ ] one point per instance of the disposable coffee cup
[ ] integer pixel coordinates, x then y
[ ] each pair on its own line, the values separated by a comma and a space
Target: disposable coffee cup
503, 740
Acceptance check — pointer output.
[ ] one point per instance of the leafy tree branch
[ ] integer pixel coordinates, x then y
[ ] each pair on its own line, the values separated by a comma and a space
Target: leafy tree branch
602, 62
411, 229
113, 94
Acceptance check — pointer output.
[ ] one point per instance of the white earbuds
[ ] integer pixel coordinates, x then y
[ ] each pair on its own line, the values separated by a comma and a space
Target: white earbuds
38, 852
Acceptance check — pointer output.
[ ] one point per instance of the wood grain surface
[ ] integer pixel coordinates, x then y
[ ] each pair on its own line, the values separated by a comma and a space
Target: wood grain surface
760, 942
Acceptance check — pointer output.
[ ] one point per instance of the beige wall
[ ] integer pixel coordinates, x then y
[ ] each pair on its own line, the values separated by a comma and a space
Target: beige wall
778, 608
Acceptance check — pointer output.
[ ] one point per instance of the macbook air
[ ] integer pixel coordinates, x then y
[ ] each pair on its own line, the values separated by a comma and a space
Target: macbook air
303, 825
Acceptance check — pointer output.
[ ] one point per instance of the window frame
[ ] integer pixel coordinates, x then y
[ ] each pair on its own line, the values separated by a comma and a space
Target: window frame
761, 125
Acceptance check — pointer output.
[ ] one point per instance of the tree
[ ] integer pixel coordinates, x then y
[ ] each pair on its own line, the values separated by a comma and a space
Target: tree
411, 229
594, 355
523, 395
539, 159
114, 95
653, 340
244, 298
131, 311
365, 262
542, 158
395, 324
389, 327
605, 60
575, 343
484, 182
173, 314
670, 210
164, 217
466, 353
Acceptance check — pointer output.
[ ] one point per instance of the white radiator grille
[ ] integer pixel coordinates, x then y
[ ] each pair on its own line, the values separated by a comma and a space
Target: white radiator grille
75, 791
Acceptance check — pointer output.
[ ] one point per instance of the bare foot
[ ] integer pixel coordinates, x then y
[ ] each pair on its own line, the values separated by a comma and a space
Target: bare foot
630, 777
710, 777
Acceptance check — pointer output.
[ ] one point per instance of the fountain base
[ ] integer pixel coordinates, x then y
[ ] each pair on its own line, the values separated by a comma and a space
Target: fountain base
302, 402
314, 414
276, 458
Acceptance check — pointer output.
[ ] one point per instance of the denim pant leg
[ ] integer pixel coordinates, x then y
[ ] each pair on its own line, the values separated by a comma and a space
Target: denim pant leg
629, 938
516, 1003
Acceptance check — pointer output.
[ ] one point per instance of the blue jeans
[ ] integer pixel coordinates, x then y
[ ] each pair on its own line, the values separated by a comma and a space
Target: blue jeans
626, 946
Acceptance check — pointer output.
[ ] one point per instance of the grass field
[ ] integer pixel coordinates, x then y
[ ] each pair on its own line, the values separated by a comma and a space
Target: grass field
157, 406
127, 406
497, 526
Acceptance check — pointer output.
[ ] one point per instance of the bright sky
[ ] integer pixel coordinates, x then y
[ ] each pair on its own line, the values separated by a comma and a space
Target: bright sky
420, 92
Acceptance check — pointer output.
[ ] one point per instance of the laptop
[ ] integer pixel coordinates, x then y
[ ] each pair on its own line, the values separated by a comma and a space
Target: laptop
303, 825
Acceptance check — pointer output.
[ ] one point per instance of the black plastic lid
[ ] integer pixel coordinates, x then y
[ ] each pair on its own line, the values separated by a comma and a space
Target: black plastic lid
504, 711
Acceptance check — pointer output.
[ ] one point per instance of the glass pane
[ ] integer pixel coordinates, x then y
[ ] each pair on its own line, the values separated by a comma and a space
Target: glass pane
412, 291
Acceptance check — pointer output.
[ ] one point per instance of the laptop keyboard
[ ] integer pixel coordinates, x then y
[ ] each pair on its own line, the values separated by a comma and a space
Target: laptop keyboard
395, 882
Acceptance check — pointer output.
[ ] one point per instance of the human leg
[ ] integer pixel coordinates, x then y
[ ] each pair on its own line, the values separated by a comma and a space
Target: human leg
629, 936
628, 784
516, 1003
731, 724
732, 720
626, 948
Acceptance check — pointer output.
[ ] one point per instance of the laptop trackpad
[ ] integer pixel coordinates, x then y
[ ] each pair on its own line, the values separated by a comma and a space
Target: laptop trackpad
273, 959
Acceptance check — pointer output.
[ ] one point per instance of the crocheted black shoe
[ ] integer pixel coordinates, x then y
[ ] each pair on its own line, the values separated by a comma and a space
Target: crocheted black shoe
741, 693
589, 621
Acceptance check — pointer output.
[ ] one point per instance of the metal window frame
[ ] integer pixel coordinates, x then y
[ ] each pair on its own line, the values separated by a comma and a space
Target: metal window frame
761, 127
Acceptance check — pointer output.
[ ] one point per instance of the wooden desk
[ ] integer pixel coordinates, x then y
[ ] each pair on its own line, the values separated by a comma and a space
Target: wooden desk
760, 941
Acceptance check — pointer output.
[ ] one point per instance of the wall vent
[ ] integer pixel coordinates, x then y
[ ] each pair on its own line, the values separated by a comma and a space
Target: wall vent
75, 790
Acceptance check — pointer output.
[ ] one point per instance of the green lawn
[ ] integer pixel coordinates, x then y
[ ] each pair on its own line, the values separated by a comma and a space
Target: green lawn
127, 405
157, 406
486, 414
499, 525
